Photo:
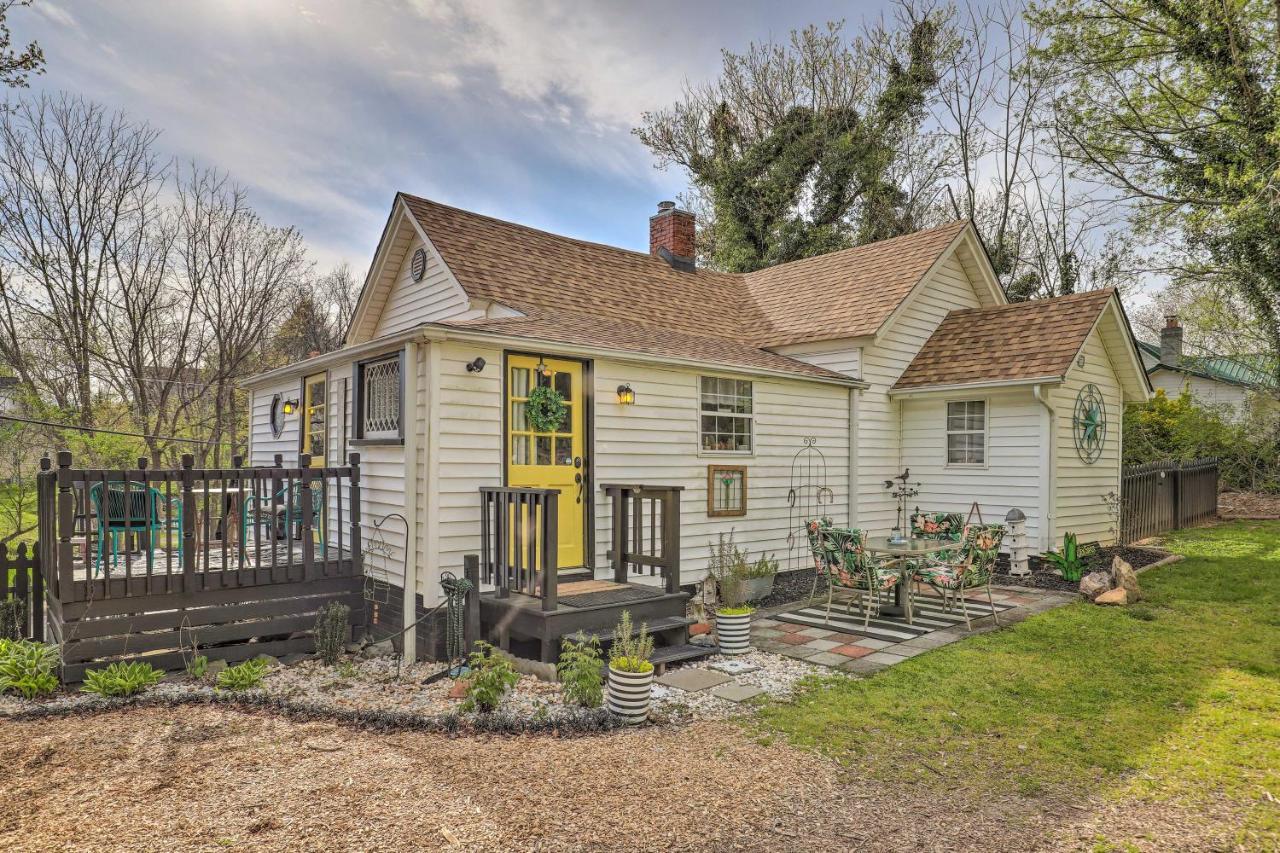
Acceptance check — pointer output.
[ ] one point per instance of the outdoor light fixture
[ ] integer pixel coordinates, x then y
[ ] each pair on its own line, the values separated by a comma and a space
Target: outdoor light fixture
289, 407
476, 365
625, 395
542, 368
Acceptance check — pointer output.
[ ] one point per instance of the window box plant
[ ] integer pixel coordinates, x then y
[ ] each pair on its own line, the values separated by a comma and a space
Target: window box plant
731, 572
630, 671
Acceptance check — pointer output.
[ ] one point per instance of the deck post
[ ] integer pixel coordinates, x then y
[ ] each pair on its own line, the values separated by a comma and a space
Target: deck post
550, 553
356, 564
619, 534
671, 539
188, 524
471, 620
306, 506
65, 530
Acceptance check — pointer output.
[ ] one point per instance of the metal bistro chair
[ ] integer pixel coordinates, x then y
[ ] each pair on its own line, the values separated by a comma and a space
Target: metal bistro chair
282, 514
136, 512
839, 556
971, 568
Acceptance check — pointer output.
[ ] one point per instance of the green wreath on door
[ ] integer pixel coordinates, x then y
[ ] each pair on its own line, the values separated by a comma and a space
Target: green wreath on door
545, 410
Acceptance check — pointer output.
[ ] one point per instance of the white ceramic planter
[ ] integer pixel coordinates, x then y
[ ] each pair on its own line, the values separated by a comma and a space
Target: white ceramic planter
734, 633
629, 694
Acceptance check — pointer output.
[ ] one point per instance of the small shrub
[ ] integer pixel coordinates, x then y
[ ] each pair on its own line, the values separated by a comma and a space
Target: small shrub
765, 567
28, 668
631, 651
348, 670
332, 630
121, 679
198, 667
1068, 561
243, 676
491, 677
728, 568
580, 671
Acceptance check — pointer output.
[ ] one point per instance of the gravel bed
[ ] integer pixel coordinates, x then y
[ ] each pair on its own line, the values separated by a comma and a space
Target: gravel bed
778, 676
1042, 577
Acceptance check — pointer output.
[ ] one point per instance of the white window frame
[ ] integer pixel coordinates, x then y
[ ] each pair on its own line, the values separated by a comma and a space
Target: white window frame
749, 417
947, 432
361, 433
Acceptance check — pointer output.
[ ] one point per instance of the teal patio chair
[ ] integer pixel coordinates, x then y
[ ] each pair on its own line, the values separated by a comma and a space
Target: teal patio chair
281, 512
139, 511
840, 558
971, 568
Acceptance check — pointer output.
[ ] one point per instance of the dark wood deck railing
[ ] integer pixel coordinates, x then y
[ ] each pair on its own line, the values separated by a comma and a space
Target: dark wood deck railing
518, 541
645, 532
158, 562
22, 591
1160, 496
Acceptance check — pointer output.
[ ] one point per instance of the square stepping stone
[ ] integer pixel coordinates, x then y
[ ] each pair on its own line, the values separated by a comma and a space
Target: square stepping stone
822, 645
884, 658
827, 659
871, 643
736, 692
734, 667
816, 632
795, 639
692, 679
852, 651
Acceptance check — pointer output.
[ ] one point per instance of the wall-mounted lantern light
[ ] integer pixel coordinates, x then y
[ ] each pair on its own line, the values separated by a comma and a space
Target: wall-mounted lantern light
625, 395
476, 365
289, 406
542, 368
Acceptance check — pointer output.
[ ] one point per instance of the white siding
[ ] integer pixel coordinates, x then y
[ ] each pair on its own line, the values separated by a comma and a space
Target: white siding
656, 441
263, 445
1079, 487
1011, 477
409, 303
1228, 398
880, 452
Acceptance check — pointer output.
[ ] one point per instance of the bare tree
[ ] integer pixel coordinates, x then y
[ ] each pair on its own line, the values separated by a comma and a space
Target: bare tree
318, 320
73, 178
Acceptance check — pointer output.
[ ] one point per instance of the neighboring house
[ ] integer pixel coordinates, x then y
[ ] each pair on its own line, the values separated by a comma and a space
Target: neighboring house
1230, 385
899, 354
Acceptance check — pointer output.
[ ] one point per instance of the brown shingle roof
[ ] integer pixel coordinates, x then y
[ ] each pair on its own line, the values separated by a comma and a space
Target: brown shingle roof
1023, 340
647, 339
842, 294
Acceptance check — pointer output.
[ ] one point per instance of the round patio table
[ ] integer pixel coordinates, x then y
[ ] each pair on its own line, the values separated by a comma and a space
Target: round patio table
904, 552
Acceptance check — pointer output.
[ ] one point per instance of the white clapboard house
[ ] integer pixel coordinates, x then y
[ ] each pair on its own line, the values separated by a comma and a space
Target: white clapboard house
752, 392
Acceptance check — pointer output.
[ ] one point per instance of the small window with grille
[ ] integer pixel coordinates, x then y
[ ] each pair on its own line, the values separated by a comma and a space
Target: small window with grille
379, 411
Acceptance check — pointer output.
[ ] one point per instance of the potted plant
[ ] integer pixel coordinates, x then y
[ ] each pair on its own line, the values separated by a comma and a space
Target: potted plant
758, 580
630, 671
730, 570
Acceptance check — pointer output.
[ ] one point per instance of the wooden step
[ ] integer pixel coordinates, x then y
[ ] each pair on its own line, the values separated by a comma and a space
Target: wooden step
675, 654
657, 626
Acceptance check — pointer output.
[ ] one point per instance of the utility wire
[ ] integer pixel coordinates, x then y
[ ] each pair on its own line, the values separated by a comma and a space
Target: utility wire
101, 430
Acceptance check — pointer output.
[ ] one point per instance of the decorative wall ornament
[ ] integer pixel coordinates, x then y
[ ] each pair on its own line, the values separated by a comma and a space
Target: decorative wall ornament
544, 410
418, 266
1089, 423
808, 498
277, 415
726, 491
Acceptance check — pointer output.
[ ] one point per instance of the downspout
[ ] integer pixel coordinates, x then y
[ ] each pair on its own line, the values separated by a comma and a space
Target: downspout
1048, 472
853, 457
408, 412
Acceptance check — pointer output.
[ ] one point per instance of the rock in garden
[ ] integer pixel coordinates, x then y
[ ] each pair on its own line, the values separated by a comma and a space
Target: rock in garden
1118, 597
1123, 576
1094, 584
215, 667
385, 649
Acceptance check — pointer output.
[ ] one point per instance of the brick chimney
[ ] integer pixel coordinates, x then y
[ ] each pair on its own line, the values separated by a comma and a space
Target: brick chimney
1171, 341
671, 236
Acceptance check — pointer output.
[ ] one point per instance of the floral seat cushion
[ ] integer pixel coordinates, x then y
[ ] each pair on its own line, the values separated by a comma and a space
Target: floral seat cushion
972, 565
937, 525
839, 554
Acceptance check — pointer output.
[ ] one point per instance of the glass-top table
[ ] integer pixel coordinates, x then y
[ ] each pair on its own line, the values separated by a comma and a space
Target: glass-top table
880, 545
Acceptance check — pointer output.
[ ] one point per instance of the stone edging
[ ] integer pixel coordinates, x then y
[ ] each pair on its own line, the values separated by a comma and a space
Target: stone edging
585, 722
1163, 561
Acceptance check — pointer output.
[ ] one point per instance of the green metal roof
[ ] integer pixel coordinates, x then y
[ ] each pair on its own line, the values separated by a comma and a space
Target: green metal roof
1248, 370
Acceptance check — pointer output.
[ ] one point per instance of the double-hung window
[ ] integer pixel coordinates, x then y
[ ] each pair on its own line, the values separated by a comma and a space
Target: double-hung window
967, 432
725, 414
379, 404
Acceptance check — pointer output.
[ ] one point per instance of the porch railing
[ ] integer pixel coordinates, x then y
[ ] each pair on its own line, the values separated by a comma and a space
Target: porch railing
645, 532
22, 591
518, 534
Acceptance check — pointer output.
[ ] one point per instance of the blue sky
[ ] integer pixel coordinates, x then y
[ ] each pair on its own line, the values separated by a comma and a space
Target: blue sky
324, 109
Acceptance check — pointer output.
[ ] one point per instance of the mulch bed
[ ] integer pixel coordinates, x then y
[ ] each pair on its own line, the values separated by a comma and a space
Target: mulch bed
1248, 505
1043, 577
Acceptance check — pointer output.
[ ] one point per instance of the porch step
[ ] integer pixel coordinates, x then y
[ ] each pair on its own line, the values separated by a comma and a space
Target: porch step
656, 627
664, 655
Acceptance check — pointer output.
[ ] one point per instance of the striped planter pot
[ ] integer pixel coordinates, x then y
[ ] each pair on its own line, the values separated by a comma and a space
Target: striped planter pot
734, 633
629, 694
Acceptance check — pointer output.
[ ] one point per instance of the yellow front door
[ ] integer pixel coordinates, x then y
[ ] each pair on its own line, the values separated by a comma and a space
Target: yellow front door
554, 459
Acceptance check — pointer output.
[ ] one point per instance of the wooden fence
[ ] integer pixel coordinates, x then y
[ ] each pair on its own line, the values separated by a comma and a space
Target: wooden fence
21, 593
1160, 496
155, 563
519, 530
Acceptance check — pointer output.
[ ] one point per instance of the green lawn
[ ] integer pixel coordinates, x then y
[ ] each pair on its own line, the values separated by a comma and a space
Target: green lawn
1176, 697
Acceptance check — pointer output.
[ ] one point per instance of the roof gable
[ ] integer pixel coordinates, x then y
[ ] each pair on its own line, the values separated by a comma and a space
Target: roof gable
1018, 342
